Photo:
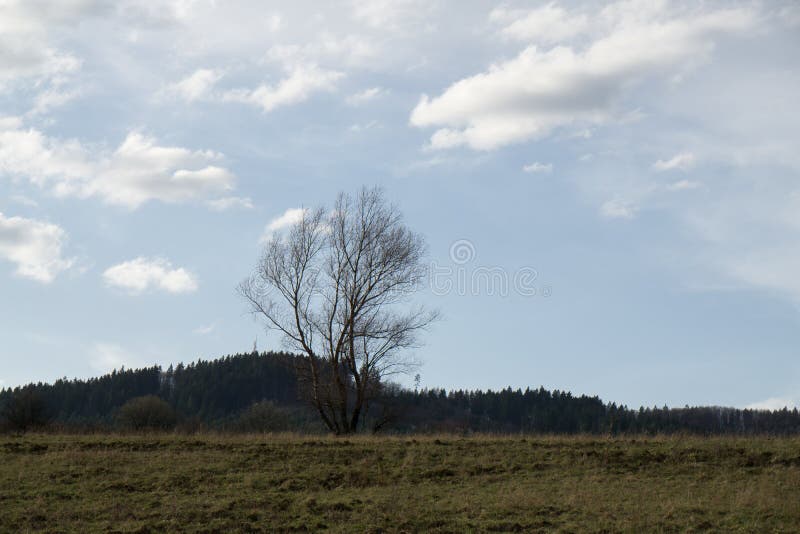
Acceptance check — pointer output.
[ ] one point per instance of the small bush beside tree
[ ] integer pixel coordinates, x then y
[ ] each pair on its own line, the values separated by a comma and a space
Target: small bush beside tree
264, 416
147, 413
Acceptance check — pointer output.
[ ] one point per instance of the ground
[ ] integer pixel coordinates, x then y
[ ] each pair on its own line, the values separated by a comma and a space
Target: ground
213, 483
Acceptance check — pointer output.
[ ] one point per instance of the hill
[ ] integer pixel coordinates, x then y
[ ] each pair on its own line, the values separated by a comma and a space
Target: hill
259, 392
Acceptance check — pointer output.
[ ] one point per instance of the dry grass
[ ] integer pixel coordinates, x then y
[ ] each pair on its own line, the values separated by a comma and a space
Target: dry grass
362, 484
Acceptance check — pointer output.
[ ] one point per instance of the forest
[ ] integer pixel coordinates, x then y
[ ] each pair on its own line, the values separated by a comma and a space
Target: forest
259, 392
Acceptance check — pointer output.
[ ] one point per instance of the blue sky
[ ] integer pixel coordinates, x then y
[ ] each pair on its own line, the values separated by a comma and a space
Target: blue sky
631, 169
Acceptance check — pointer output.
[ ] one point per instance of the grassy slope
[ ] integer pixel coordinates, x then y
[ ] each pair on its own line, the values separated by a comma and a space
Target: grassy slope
208, 483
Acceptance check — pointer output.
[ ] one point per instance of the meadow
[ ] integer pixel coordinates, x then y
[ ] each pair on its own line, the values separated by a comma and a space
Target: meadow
268, 483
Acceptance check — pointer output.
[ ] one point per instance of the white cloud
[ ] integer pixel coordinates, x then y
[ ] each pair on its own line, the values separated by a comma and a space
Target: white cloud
362, 127
683, 161
229, 203
618, 209
547, 24
142, 274
10, 123
106, 357
33, 63
29, 153
34, 246
537, 167
326, 47
25, 201
138, 171
366, 95
774, 403
196, 86
298, 86
157, 13
205, 330
391, 15
540, 90
52, 97
584, 133
287, 219
25, 26
352, 50
683, 185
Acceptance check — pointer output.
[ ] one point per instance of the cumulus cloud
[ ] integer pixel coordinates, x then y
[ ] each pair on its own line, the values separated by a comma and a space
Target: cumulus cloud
9, 123
196, 86
141, 170
287, 219
32, 61
365, 96
304, 72
539, 90
547, 24
138, 171
391, 15
142, 274
537, 167
35, 247
229, 203
618, 209
683, 185
25, 51
683, 162
326, 47
52, 97
298, 86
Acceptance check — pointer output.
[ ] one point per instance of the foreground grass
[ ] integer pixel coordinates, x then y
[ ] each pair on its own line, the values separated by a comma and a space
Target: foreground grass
445, 483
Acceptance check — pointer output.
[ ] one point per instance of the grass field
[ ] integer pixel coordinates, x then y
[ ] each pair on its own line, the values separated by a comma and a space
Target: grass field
364, 484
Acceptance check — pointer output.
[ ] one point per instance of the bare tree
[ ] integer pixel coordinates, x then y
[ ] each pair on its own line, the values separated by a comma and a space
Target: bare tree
337, 286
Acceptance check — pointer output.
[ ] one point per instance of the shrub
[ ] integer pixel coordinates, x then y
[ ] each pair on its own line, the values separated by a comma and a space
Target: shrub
147, 413
263, 417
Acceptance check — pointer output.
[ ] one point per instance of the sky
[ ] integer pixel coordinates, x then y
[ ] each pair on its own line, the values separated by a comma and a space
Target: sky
610, 192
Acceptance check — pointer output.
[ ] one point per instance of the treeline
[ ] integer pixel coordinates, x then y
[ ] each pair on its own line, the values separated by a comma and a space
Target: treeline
258, 392
543, 411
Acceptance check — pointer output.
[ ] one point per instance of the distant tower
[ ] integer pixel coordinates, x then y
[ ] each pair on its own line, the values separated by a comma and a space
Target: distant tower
255, 346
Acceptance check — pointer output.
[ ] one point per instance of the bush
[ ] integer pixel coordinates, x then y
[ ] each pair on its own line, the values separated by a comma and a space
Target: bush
191, 425
263, 417
147, 413
24, 411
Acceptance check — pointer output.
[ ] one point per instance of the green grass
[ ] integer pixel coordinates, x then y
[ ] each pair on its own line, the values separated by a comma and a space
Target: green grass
362, 484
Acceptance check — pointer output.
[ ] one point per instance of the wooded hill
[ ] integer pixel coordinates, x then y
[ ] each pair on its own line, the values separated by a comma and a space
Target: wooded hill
258, 392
